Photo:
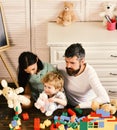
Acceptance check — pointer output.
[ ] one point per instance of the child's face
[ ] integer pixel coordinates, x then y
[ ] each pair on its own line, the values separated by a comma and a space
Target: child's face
49, 89
32, 69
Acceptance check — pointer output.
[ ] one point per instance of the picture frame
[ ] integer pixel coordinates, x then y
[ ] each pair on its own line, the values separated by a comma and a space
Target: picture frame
4, 42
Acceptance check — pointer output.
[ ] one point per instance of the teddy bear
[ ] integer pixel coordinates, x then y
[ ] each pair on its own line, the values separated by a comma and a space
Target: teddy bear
67, 16
109, 12
12, 96
108, 107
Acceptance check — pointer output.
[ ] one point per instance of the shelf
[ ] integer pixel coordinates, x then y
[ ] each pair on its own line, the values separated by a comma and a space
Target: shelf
89, 32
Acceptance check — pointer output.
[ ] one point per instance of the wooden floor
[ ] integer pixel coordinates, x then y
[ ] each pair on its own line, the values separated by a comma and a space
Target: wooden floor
6, 116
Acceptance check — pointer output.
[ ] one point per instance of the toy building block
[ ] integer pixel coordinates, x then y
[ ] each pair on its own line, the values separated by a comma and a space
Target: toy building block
57, 124
80, 118
16, 122
65, 118
25, 116
114, 120
94, 114
56, 117
70, 128
104, 113
83, 125
64, 114
47, 123
115, 126
42, 125
36, 124
86, 119
71, 112
73, 118
61, 127
53, 127
78, 110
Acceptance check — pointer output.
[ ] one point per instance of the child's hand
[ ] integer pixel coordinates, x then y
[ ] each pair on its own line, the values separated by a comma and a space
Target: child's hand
51, 99
42, 109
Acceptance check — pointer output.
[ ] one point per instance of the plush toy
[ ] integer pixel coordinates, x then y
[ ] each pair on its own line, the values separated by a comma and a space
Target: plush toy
67, 16
108, 13
13, 99
108, 107
45, 106
41, 102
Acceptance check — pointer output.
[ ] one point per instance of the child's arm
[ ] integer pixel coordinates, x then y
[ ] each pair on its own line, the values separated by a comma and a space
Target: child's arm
60, 99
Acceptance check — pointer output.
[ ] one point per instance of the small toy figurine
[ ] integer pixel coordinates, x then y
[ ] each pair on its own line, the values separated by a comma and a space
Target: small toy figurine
108, 13
13, 99
67, 16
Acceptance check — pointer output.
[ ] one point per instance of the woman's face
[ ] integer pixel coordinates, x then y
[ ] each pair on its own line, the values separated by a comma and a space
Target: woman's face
31, 69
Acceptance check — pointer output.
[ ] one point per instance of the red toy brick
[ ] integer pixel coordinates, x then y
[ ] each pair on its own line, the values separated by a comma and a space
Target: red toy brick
36, 124
53, 127
25, 116
71, 112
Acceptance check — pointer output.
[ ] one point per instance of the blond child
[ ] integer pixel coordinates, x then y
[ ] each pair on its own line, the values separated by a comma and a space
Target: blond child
53, 97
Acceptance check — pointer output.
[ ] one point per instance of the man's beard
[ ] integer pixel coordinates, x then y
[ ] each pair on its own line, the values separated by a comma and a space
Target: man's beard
72, 72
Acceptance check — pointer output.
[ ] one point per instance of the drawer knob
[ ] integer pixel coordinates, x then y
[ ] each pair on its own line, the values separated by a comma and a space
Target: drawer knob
113, 74
113, 55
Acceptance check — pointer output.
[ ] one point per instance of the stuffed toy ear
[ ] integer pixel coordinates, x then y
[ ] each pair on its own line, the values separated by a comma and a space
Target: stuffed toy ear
4, 83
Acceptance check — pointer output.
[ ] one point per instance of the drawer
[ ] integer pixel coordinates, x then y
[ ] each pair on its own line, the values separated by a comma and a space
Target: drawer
101, 55
94, 55
109, 85
106, 71
57, 54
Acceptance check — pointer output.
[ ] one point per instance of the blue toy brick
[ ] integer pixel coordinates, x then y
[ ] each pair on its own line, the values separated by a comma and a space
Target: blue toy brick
104, 113
115, 127
78, 119
56, 117
14, 123
101, 125
65, 118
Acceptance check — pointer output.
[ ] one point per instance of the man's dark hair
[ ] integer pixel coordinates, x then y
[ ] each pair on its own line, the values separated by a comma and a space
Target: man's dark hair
75, 49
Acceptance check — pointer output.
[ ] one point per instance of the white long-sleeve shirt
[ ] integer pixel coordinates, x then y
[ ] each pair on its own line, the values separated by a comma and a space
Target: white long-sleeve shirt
84, 88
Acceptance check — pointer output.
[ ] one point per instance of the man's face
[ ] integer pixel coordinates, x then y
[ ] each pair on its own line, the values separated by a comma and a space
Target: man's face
73, 65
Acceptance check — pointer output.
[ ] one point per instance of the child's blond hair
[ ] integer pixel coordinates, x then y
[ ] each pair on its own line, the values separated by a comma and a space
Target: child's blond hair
54, 78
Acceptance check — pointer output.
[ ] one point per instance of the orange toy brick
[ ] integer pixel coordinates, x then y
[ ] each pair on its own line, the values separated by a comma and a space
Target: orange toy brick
36, 123
25, 116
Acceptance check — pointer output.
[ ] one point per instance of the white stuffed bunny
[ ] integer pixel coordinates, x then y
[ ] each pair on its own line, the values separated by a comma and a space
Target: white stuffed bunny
45, 106
41, 102
13, 99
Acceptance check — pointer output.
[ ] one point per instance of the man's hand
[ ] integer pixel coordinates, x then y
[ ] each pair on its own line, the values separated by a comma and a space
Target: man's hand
77, 106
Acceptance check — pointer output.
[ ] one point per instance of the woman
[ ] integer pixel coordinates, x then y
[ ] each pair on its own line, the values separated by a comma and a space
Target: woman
31, 71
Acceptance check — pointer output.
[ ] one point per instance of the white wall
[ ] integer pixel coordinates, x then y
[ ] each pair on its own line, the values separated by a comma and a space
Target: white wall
26, 21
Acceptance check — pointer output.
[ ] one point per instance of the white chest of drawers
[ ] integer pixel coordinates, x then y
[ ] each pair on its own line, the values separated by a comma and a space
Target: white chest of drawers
99, 43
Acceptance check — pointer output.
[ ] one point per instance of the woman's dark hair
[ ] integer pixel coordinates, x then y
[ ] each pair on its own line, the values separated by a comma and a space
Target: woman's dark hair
75, 49
26, 59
